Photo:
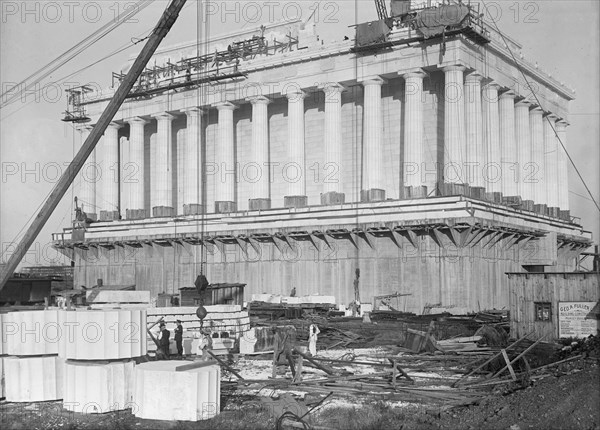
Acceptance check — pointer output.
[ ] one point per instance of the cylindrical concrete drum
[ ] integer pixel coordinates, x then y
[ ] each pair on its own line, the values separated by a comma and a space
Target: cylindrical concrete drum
162, 393
96, 388
31, 332
33, 379
103, 334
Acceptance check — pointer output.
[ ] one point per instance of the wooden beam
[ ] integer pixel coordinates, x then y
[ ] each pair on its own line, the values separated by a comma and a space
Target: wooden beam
194, 365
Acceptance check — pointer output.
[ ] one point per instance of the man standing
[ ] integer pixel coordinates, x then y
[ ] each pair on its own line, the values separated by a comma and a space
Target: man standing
163, 342
179, 339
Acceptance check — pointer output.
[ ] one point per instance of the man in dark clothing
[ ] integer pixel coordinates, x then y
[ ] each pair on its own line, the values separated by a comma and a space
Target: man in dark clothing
179, 339
163, 341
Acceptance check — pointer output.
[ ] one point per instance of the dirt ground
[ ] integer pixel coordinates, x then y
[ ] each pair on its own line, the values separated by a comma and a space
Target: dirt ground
568, 397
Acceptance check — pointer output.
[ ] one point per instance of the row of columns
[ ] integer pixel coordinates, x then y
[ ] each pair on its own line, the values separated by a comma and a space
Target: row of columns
482, 126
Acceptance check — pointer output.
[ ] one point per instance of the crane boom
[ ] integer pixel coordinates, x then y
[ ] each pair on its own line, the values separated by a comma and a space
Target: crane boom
163, 26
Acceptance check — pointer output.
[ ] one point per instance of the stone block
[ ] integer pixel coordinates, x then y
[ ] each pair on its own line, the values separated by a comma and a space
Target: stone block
96, 388
513, 201
554, 212
222, 207
541, 209
565, 215
118, 296
259, 204
414, 192
136, 214
527, 205
333, 198
295, 201
372, 195
33, 379
31, 332
103, 334
494, 197
162, 393
193, 209
163, 211
267, 298
109, 216
477, 193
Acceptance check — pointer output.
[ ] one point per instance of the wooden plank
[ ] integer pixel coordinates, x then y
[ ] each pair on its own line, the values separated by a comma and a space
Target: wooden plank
225, 365
322, 367
193, 365
510, 368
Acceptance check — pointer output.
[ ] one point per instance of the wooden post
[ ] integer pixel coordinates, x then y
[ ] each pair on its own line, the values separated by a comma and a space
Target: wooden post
510, 368
299, 364
275, 356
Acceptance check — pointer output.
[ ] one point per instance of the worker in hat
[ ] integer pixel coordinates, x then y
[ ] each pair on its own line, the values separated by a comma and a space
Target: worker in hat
179, 339
163, 342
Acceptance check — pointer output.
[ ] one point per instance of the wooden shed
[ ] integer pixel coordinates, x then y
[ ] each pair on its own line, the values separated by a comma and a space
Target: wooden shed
557, 305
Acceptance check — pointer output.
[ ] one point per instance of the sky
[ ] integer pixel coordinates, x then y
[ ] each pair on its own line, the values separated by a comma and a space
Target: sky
35, 146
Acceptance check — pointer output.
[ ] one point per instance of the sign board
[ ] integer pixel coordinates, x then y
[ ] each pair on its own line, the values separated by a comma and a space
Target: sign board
572, 320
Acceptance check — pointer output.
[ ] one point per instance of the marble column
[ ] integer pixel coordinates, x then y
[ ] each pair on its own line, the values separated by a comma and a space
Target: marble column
294, 171
372, 169
508, 147
192, 163
476, 153
332, 186
133, 182
551, 161
536, 128
89, 175
110, 174
526, 167
413, 176
261, 187
163, 164
492, 171
563, 170
454, 126
225, 201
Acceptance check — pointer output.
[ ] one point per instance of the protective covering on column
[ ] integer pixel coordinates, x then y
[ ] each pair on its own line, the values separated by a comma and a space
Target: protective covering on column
261, 196
372, 176
476, 153
526, 167
225, 159
89, 175
509, 156
491, 132
551, 158
454, 125
294, 170
563, 170
414, 161
192, 163
134, 170
110, 174
536, 127
163, 200
332, 186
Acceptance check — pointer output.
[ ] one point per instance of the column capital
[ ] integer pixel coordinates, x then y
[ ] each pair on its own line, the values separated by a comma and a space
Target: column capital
258, 100
136, 120
163, 116
331, 87
372, 80
224, 106
192, 110
114, 125
536, 109
453, 68
474, 76
491, 85
294, 93
84, 127
523, 102
562, 123
552, 116
507, 94
413, 73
